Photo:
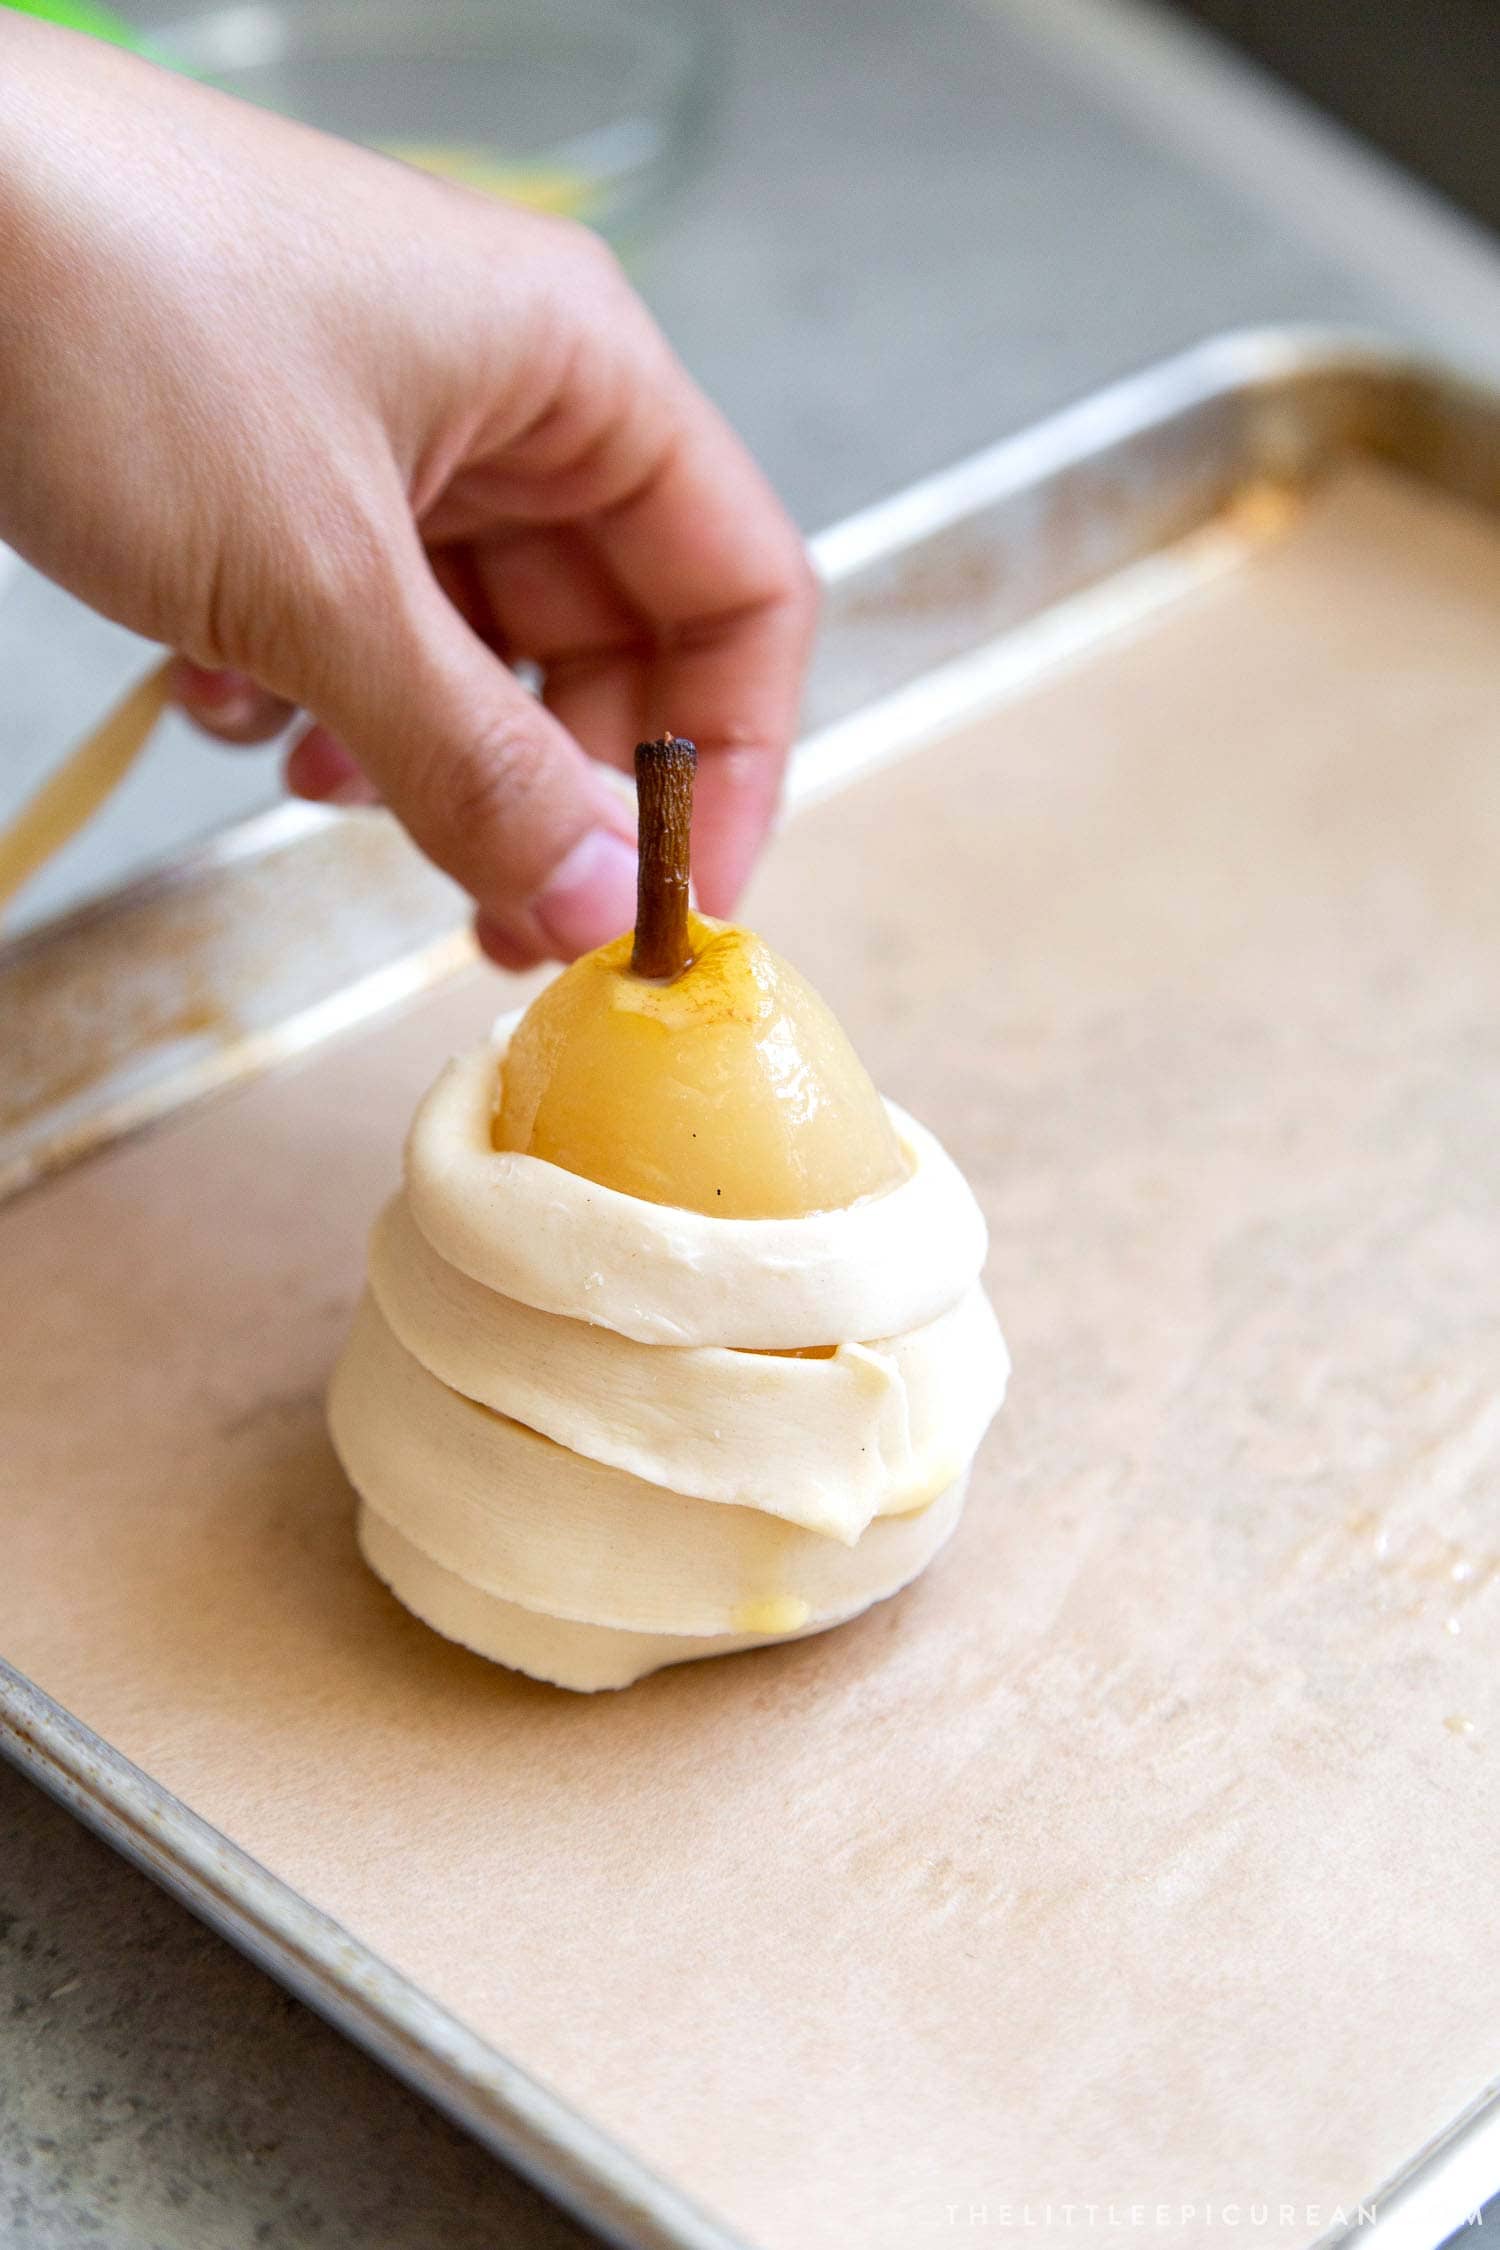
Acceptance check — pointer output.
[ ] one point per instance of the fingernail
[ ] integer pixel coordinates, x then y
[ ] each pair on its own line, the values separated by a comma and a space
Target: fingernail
590, 897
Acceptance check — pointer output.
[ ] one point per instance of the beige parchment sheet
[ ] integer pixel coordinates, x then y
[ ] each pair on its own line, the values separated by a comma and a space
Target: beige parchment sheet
1148, 1849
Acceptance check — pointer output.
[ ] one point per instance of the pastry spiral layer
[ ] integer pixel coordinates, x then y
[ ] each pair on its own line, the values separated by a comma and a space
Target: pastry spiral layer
565, 1245
572, 1457
873, 1430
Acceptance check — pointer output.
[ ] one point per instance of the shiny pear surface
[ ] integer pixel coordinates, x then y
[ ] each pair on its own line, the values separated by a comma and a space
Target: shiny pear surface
730, 1089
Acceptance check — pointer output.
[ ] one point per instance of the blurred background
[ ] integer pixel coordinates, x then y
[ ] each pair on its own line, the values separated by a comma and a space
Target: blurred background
881, 235
1421, 77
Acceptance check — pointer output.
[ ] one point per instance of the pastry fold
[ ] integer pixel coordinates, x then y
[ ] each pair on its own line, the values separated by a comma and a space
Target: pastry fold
565, 1245
875, 1429
593, 1435
518, 1516
584, 1658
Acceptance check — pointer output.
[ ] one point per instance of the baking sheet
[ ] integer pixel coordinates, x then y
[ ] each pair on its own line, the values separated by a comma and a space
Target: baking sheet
1142, 1854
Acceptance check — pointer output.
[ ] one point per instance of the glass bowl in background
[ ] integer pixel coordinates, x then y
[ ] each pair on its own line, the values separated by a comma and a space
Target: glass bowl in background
602, 109
599, 109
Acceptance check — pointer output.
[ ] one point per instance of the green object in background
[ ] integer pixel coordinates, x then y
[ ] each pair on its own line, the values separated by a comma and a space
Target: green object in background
82, 15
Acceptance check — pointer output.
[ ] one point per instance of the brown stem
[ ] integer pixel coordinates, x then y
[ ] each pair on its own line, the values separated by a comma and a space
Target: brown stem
664, 785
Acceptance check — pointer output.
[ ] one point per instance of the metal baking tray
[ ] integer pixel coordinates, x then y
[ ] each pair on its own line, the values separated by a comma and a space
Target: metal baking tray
286, 930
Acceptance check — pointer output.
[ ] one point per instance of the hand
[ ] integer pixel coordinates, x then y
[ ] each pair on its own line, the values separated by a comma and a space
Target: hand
355, 441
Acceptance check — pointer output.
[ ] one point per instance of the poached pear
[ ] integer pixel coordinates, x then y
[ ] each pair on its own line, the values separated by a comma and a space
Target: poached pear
691, 1065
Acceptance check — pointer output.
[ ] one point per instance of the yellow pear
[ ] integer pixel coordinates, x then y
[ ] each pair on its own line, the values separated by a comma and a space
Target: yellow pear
690, 1065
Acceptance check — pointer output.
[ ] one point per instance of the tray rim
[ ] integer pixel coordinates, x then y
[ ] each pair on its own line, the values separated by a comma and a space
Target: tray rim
599, 2180
883, 633
1231, 363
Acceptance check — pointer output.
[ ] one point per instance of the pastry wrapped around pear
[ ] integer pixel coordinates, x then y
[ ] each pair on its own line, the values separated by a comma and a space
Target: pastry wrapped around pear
674, 1342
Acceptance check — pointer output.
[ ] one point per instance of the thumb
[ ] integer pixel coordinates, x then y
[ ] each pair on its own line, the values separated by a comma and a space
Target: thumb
488, 783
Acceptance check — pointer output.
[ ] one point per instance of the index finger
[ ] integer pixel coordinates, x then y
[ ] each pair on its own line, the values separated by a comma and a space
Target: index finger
705, 553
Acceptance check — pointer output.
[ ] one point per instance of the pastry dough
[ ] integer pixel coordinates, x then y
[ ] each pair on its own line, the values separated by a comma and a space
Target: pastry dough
556, 1649
526, 1519
593, 1435
666, 1276
875, 1430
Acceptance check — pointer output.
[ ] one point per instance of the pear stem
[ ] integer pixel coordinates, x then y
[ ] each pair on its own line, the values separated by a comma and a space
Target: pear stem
664, 786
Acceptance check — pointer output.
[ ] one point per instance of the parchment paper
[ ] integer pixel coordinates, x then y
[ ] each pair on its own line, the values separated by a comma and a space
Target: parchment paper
1146, 1852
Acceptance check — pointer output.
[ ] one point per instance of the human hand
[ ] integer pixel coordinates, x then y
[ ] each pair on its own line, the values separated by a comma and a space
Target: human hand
355, 441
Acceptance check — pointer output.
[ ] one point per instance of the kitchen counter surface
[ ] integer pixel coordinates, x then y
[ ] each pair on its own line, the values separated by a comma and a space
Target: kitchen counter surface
920, 229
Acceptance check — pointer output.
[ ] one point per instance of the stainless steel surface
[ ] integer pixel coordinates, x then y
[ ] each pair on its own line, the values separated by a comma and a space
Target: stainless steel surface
254, 945
966, 584
297, 924
318, 1961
